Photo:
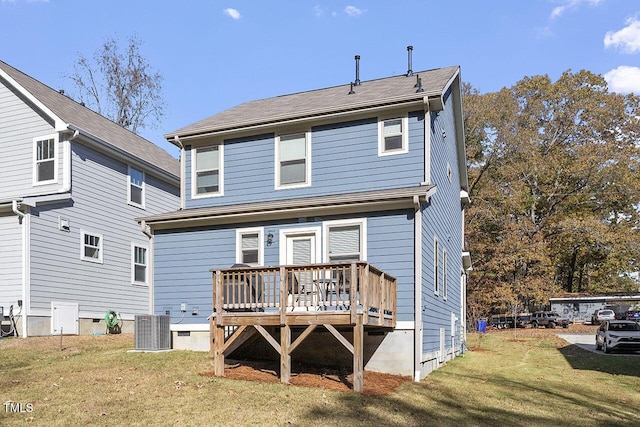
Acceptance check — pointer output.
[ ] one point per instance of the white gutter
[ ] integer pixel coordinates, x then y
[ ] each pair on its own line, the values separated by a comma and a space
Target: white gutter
417, 288
24, 221
146, 230
183, 171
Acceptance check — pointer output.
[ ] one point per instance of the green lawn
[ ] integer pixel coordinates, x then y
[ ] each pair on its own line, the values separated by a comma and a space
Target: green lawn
532, 379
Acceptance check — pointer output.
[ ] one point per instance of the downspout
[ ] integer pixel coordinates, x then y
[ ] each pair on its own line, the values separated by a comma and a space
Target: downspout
66, 154
183, 169
24, 221
417, 297
146, 230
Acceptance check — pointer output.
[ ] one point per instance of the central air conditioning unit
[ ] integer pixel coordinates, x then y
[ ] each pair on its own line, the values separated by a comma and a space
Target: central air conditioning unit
152, 332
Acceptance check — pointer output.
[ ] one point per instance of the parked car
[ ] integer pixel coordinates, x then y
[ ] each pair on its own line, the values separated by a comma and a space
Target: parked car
549, 319
633, 315
618, 335
599, 316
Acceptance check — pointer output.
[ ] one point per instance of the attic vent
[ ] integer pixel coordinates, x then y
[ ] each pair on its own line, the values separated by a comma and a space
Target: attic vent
409, 70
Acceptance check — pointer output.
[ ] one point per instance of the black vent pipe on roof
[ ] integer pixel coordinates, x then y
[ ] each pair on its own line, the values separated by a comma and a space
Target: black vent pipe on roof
351, 91
357, 82
409, 70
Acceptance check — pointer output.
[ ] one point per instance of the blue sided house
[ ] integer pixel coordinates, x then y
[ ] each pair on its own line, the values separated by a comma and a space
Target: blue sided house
326, 226
73, 182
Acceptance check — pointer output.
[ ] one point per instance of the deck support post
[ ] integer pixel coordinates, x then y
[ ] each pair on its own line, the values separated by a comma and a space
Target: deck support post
218, 348
358, 357
285, 356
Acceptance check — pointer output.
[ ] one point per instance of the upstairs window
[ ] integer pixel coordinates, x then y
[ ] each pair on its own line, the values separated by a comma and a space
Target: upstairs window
45, 160
136, 187
138, 265
91, 247
393, 136
345, 240
293, 160
207, 171
249, 246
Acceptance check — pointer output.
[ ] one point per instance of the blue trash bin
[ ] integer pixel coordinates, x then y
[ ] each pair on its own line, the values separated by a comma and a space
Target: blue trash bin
482, 325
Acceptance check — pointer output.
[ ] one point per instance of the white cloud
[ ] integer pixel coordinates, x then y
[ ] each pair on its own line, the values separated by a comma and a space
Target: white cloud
627, 40
317, 10
233, 13
568, 5
353, 11
624, 79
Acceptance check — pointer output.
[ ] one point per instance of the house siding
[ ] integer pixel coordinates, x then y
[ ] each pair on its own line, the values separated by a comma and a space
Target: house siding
439, 221
20, 123
344, 158
99, 205
183, 259
10, 261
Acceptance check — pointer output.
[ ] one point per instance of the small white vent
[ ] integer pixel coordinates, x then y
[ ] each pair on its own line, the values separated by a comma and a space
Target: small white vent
63, 224
152, 332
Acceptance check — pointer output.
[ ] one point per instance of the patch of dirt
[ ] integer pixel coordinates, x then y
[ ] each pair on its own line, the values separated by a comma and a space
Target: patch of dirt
375, 383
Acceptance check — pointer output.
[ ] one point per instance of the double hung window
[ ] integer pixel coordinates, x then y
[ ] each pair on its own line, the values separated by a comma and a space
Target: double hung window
45, 163
207, 171
249, 243
293, 160
136, 187
138, 265
91, 247
345, 240
393, 136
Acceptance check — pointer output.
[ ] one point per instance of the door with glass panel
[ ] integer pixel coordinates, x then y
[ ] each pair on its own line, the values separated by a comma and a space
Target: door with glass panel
301, 250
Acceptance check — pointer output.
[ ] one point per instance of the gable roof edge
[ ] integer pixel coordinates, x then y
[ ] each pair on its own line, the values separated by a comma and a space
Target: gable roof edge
60, 125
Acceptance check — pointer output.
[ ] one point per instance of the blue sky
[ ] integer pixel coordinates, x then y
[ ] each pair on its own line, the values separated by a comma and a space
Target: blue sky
217, 54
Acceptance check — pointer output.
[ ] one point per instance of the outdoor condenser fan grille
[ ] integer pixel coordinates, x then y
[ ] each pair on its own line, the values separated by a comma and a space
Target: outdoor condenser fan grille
152, 332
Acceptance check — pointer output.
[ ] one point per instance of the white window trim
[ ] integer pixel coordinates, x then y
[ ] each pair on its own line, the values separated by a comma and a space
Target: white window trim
444, 274
436, 266
252, 230
405, 136
307, 183
133, 264
194, 177
143, 187
100, 258
286, 232
55, 159
362, 222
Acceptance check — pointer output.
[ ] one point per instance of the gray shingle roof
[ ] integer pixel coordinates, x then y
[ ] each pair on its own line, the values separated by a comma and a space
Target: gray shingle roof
93, 123
386, 91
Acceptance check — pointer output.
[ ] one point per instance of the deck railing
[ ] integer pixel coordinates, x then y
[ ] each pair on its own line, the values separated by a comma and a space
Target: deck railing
357, 287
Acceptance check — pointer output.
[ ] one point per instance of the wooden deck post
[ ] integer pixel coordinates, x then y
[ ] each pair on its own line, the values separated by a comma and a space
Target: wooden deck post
218, 349
358, 356
285, 356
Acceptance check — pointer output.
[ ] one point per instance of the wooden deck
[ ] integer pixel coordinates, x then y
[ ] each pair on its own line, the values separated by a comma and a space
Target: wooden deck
248, 300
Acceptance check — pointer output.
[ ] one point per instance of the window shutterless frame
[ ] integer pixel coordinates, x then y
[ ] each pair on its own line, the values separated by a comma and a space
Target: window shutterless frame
91, 247
136, 187
345, 240
45, 160
250, 246
139, 264
207, 171
293, 160
393, 136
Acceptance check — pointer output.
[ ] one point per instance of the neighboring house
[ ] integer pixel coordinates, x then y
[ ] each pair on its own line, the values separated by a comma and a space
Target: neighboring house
73, 182
374, 172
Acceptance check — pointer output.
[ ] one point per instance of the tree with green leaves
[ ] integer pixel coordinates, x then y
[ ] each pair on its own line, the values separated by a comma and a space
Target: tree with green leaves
120, 85
555, 188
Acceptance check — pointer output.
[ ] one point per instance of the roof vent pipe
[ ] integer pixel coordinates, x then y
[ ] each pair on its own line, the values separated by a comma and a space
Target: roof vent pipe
409, 70
419, 86
351, 91
418, 80
357, 82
